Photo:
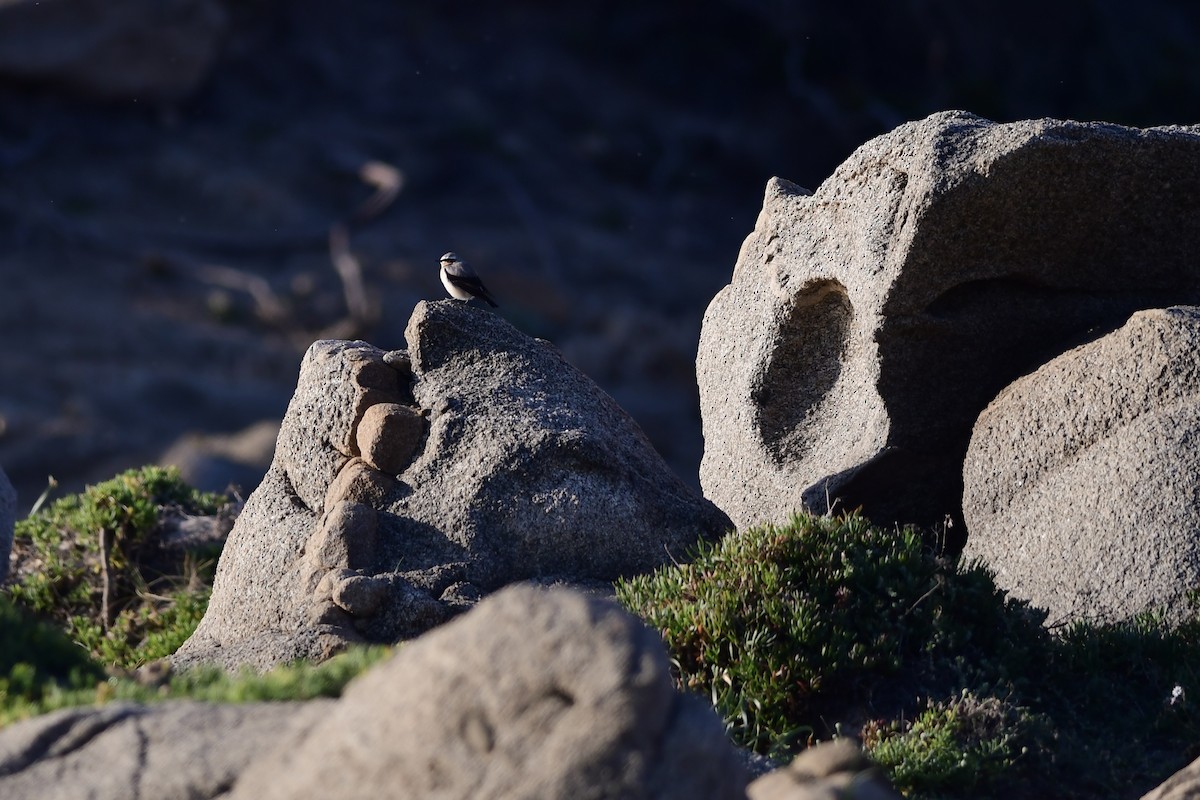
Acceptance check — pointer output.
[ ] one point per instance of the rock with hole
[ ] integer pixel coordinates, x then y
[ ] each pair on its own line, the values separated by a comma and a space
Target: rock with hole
868, 323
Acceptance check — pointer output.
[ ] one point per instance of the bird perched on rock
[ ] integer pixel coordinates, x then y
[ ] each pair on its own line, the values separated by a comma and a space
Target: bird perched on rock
461, 281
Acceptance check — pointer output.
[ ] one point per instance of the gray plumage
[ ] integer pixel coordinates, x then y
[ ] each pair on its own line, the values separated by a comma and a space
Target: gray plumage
461, 281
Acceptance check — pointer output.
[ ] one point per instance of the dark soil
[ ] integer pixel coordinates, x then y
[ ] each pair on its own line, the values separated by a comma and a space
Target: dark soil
162, 268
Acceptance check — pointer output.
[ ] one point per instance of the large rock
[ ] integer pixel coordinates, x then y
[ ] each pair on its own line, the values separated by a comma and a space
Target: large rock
146, 50
8, 518
405, 487
536, 694
867, 324
173, 750
1082, 480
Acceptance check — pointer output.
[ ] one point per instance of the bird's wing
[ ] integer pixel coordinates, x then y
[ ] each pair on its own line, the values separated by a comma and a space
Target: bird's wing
468, 283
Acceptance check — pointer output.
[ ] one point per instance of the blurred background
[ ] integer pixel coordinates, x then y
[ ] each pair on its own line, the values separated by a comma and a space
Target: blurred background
191, 191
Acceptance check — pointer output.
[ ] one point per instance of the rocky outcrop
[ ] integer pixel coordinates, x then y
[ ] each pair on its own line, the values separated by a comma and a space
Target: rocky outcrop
536, 693
143, 50
1082, 480
867, 324
8, 518
406, 485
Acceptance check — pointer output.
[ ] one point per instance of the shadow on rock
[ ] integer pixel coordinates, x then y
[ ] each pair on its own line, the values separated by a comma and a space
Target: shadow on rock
406, 485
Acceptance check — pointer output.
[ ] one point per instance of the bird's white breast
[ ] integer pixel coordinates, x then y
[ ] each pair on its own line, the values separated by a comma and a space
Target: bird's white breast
454, 291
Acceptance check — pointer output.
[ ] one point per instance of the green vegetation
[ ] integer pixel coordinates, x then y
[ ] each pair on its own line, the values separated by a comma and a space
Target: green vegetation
59, 649
62, 676
36, 661
780, 624
830, 626
96, 564
966, 746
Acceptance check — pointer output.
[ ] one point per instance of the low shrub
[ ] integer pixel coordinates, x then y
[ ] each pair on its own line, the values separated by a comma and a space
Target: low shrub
96, 563
782, 626
830, 626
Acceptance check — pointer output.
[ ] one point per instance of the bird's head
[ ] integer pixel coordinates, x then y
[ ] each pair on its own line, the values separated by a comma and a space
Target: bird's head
450, 258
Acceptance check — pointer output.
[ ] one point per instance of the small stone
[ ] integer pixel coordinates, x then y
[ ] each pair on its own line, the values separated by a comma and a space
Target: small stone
827, 771
360, 595
461, 595
400, 361
324, 590
153, 673
388, 436
358, 482
376, 375
329, 614
347, 537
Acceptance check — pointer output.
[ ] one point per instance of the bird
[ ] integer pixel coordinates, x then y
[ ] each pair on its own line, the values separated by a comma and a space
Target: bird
461, 281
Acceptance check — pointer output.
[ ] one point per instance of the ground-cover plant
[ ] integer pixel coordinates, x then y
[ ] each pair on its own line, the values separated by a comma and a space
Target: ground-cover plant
99, 565
38, 660
829, 625
780, 624
58, 649
87, 685
963, 746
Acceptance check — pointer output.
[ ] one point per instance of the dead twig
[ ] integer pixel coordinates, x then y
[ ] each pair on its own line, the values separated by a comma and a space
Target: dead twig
106, 587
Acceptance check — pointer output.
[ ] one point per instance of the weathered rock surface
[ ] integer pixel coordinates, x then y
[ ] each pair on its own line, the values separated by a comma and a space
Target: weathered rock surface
491, 461
172, 750
1183, 785
263, 609
867, 324
8, 518
536, 694
829, 771
143, 50
1082, 480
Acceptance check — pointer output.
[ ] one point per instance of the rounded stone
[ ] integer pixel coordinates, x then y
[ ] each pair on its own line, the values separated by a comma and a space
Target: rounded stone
388, 436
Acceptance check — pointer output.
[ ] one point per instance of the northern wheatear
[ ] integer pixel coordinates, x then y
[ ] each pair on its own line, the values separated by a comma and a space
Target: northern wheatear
461, 281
